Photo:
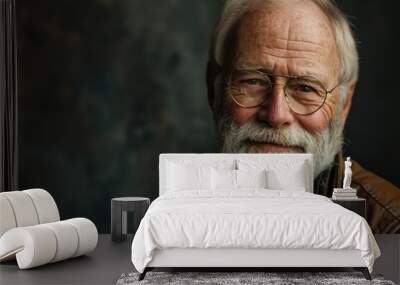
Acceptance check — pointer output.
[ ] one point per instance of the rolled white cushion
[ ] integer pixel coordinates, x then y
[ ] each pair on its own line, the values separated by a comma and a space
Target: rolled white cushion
67, 240
87, 234
45, 205
37, 245
23, 208
7, 218
33, 246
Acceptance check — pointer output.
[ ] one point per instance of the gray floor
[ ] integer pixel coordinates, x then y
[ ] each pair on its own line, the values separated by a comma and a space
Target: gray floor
388, 263
111, 259
103, 266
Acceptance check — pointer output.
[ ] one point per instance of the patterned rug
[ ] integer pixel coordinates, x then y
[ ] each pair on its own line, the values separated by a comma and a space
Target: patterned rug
231, 278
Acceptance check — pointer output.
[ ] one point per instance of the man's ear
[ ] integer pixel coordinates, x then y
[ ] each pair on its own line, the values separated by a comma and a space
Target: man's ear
348, 101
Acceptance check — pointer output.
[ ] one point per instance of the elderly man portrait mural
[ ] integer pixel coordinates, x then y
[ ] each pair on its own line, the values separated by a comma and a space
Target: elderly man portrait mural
281, 77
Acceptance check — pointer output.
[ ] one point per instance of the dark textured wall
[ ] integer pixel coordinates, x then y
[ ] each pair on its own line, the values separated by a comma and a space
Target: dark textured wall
373, 130
108, 85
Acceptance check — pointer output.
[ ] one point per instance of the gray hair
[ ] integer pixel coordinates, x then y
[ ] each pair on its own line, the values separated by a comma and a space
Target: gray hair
345, 41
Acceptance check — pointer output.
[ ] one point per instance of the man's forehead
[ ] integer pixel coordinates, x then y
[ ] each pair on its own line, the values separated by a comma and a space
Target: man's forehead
300, 34
298, 20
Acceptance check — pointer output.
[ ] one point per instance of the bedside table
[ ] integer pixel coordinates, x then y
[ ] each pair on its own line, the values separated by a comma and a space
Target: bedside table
357, 205
119, 208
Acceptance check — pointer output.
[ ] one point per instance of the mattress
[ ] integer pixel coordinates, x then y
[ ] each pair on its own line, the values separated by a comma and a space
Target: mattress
250, 218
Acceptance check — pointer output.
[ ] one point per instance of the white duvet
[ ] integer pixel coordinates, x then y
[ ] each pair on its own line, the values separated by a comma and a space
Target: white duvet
252, 218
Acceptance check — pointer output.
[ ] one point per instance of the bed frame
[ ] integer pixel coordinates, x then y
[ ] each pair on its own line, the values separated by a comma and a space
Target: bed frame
248, 259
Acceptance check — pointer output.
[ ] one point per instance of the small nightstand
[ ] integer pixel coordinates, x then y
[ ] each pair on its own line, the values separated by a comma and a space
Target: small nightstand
119, 208
357, 205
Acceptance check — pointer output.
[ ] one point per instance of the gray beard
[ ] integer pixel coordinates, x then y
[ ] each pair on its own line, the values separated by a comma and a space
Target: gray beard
323, 145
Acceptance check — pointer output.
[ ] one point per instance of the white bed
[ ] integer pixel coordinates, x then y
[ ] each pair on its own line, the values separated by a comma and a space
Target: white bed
201, 220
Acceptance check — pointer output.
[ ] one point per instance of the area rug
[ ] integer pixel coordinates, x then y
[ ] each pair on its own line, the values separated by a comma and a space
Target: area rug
231, 278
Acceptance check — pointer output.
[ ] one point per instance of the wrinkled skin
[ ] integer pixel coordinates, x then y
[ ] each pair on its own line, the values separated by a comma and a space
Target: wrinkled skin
289, 38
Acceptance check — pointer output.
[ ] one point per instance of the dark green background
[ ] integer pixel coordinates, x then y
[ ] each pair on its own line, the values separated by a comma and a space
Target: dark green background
108, 85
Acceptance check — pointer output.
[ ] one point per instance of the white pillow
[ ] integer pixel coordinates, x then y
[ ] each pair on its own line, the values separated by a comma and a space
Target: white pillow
282, 173
227, 179
251, 178
223, 179
188, 177
293, 180
205, 162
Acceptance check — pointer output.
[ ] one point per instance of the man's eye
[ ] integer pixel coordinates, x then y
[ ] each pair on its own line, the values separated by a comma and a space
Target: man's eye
305, 88
252, 81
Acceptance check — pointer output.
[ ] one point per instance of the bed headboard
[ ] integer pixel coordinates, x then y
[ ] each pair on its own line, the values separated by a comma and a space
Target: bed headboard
269, 160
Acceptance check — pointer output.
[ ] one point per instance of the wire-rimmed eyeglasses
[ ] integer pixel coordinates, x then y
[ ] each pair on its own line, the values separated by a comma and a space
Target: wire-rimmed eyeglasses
304, 95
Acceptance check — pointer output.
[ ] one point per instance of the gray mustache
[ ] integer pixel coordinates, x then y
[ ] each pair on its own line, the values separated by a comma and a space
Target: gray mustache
253, 132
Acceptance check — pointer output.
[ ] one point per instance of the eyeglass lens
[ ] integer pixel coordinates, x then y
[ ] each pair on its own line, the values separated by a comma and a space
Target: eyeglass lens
304, 95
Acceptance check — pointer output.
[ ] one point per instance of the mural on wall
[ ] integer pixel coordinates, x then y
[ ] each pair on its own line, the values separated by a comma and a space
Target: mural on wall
108, 85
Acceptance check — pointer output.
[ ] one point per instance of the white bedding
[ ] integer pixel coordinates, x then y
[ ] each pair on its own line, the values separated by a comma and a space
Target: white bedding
251, 218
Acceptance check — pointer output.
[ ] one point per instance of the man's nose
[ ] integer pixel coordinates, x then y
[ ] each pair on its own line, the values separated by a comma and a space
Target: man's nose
275, 111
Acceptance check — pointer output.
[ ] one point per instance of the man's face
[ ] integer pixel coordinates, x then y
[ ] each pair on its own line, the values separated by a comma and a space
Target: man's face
286, 39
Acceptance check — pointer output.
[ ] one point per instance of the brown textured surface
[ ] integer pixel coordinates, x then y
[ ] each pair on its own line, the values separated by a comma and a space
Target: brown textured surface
383, 200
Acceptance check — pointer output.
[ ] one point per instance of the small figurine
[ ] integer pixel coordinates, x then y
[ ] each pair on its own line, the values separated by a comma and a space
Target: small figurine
347, 174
